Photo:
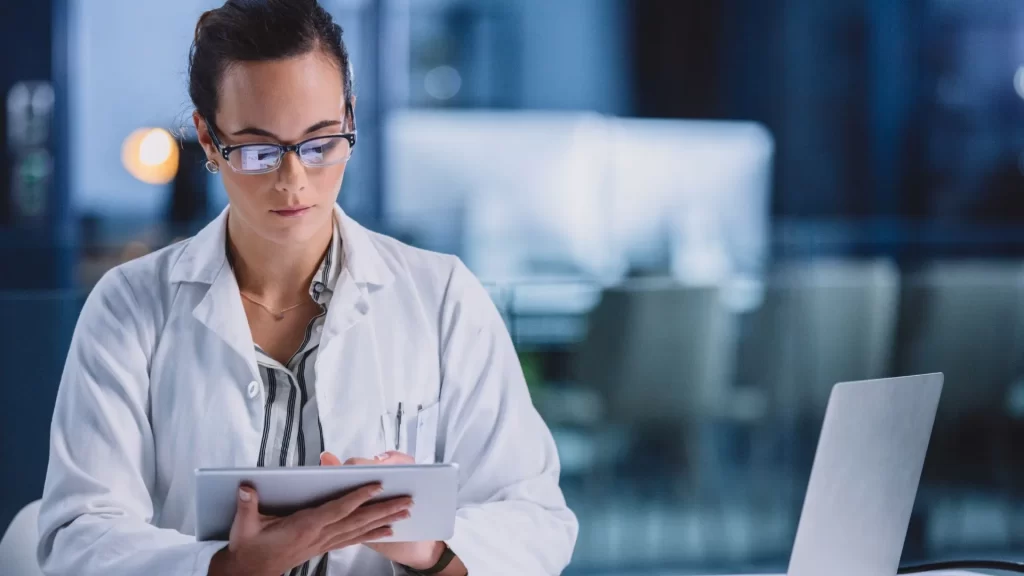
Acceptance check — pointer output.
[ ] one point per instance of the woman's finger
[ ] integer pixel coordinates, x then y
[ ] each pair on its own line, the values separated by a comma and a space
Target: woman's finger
368, 514
393, 457
389, 457
384, 522
328, 459
379, 533
329, 513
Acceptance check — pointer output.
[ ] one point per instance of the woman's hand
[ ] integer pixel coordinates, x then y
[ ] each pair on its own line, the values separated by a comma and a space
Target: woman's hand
416, 555
271, 545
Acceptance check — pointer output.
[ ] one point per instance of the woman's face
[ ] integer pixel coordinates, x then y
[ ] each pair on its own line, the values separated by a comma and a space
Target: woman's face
284, 102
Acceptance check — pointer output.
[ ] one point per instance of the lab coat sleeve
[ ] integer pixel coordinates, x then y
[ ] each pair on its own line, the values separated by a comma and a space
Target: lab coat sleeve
512, 517
97, 506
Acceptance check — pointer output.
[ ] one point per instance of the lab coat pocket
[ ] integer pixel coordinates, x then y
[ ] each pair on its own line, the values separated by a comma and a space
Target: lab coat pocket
423, 434
388, 431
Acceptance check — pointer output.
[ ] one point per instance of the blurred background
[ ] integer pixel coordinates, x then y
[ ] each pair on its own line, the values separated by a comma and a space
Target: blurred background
695, 216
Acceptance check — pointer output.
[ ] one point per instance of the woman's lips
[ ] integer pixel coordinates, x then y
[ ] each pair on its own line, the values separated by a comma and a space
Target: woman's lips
292, 212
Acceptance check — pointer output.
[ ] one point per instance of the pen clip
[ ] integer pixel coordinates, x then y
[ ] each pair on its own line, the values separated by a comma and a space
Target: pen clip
398, 428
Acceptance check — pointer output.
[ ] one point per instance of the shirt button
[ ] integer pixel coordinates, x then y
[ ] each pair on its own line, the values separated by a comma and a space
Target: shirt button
318, 287
319, 329
254, 389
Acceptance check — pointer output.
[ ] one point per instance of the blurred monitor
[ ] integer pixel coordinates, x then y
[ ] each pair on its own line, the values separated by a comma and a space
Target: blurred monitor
513, 194
553, 194
691, 198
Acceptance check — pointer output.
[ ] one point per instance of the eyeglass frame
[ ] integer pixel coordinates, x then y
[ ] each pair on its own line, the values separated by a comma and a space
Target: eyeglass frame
226, 151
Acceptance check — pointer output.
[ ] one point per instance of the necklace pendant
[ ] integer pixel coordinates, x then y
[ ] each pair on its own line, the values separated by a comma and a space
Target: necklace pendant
279, 316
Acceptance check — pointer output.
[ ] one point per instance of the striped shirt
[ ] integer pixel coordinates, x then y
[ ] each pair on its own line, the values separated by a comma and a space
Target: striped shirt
292, 435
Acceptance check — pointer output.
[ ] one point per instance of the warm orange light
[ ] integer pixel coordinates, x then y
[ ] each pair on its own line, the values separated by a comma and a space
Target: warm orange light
151, 155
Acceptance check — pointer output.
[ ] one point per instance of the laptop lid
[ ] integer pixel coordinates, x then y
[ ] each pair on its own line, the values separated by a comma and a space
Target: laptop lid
865, 477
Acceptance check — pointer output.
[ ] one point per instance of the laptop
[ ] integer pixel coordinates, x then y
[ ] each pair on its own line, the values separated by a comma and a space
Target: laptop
865, 477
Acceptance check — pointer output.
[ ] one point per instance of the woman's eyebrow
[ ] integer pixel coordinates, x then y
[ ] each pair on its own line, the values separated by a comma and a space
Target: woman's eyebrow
261, 132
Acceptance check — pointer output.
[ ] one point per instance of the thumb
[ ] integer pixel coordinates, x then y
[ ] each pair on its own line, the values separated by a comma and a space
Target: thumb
247, 515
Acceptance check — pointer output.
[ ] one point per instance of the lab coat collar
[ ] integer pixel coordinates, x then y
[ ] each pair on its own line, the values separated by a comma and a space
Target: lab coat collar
363, 261
204, 258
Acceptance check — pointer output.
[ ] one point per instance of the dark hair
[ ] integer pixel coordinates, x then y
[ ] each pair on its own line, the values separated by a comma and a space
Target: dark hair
255, 31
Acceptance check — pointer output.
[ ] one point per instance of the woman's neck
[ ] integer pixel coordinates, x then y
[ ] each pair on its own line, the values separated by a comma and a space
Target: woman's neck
277, 274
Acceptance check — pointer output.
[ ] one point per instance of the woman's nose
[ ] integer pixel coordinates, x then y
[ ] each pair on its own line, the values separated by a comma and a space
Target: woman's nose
291, 176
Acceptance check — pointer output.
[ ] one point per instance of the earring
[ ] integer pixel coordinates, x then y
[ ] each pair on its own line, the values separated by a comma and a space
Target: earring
212, 167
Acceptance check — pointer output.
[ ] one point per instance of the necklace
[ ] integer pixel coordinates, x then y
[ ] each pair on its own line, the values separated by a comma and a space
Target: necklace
277, 314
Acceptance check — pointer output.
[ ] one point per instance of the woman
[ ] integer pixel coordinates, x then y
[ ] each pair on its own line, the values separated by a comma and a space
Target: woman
283, 334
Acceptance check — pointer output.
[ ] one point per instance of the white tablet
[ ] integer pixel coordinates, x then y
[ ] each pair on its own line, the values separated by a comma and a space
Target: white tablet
433, 487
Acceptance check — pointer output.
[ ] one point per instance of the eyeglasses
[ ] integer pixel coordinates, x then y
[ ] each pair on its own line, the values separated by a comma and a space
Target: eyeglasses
261, 158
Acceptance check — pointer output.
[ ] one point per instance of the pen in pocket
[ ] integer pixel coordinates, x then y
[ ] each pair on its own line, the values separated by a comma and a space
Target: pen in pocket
398, 428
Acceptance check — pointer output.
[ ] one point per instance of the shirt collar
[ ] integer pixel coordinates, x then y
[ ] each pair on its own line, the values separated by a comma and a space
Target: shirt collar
326, 278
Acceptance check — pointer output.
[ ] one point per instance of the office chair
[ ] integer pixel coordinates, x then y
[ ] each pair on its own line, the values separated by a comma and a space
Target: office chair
822, 321
660, 355
966, 319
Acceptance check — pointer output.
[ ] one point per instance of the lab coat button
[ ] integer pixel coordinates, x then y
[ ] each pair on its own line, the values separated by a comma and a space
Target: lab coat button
254, 389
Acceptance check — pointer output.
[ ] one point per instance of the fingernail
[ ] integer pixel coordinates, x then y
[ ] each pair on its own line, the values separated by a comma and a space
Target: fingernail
244, 495
377, 491
383, 456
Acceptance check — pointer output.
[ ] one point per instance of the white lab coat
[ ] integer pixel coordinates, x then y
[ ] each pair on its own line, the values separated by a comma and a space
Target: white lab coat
157, 384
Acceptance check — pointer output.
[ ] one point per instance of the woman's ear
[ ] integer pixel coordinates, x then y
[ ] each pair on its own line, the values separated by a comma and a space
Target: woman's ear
203, 135
350, 115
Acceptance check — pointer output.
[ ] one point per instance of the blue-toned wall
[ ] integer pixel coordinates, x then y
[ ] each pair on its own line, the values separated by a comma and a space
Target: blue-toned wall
575, 55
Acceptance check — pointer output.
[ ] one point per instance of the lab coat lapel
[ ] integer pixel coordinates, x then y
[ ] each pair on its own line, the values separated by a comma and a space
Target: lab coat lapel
349, 390
353, 397
221, 311
204, 261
